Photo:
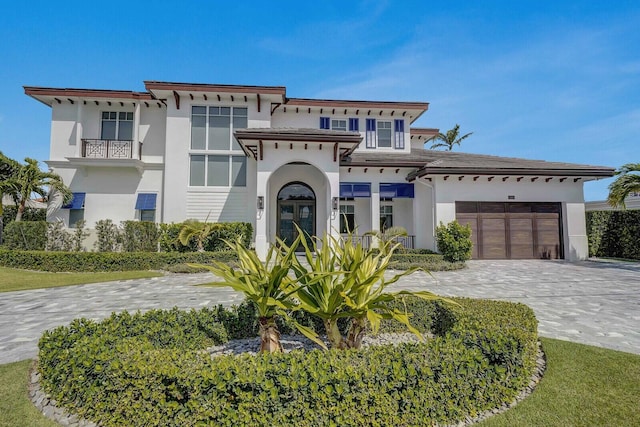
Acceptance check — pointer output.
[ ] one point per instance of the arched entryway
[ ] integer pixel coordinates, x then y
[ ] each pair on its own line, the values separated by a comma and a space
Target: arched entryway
296, 205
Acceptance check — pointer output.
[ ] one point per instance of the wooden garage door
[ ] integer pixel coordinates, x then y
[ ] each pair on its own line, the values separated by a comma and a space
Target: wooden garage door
513, 230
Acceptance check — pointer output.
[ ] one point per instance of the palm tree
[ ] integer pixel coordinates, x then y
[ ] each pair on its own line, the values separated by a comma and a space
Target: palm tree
29, 179
448, 140
8, 168
198, 230
627, 182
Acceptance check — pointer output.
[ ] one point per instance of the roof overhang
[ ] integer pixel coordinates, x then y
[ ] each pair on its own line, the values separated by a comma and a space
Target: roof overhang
410, 110
50, 95
423, 134
594, 173
251, 140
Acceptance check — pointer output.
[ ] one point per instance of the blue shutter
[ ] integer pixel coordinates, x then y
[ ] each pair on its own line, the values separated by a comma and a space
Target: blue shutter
346, 190
399, 190
354, 124
324, 123
146, 201
355, 189
77, 202
398, 125
370, 135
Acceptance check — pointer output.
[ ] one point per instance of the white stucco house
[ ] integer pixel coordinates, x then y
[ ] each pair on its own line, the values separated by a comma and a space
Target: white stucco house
251, 153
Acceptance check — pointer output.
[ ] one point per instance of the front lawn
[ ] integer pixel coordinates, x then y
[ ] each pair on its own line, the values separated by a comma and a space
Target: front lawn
12, 279
583, 386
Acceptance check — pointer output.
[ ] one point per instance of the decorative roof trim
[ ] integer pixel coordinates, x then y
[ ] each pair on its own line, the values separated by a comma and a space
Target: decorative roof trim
587, 172
204, 87
421, 106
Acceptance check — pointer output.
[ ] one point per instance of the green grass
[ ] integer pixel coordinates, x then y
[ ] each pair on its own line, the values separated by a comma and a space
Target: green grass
583, 386
16, 410
12, 279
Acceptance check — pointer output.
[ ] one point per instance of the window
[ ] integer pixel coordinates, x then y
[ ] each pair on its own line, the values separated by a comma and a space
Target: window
117, 126
386, 217
146, 204
384, 134
212, 127
217, 170
347, 218
338, 124
370, 135
212, 131
75, 215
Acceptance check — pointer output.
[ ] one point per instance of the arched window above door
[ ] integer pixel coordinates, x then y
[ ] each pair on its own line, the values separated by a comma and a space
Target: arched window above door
296, 191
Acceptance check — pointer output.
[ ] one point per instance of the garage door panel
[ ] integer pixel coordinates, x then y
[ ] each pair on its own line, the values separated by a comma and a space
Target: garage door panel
521, 238
515, 230
493, 245
472, 221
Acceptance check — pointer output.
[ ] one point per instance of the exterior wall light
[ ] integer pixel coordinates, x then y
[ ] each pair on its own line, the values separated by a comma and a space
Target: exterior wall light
260, 203
334, 203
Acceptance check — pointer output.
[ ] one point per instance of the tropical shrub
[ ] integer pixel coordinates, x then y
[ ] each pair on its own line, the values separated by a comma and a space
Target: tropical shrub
109, 237
25, 235
58, 239
214, 242
454, 241
105, 261
140, 236
614, 233
150, 370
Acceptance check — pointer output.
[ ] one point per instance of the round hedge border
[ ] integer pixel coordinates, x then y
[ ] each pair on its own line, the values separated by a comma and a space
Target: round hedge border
48, 406
497, 342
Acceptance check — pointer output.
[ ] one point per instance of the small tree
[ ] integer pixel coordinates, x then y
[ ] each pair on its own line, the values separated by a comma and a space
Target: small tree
627, 182
449, 139
194, 229
108, 236
454, 241
78, 236
57, 237
8, 185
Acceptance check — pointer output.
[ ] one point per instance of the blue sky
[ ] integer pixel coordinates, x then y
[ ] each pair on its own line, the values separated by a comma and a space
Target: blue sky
554, 80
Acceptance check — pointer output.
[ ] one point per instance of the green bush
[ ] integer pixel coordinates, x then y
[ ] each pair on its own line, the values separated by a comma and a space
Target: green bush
614, 234
229, 231
29, 214
108, 235
129, 370
105, 261
25, 235
454, 241
140, 236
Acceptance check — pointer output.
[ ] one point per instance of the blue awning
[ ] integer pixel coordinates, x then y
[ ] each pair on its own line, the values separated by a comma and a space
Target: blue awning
355, 189
146, 201
399, 190
77, 202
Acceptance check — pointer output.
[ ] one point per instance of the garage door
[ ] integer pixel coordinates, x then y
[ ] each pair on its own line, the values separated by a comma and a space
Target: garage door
513, 230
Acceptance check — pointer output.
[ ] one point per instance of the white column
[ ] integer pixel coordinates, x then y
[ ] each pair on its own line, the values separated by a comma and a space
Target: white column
136, 132
375, 208
333, 223
79, 127
262, 215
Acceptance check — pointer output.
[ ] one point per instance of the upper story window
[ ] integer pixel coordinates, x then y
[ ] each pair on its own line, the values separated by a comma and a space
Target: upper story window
338, 124
117, 125
384, 134
212, 127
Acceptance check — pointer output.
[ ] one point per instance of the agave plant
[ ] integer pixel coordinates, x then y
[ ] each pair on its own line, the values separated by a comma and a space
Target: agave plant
268, 285
346, 280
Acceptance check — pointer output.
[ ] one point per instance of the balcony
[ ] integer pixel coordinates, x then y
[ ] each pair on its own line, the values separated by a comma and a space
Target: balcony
110, 149
406, 242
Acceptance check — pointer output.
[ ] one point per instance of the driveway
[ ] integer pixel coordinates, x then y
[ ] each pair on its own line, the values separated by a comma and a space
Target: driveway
589, 302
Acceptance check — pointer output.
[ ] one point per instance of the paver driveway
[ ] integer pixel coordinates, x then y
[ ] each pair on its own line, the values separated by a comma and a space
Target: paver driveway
589, 302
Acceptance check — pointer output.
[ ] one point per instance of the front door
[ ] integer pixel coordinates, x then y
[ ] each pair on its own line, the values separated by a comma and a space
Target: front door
296, 205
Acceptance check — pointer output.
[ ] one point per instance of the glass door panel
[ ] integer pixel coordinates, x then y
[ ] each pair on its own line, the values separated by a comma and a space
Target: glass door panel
286, 230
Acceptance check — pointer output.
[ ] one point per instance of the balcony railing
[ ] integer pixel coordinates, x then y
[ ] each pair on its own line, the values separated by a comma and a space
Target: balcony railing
109, 149
407, 242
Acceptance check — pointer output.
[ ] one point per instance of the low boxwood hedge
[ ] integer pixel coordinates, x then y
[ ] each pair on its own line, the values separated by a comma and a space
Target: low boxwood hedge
151, 370
105, 261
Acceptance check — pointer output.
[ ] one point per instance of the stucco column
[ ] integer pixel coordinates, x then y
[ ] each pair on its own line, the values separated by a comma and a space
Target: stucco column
135, 150
375, 208
79, 131
333, 221
262, 215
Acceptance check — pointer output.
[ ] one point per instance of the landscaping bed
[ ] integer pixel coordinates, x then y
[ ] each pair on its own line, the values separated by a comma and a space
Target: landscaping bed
152, 369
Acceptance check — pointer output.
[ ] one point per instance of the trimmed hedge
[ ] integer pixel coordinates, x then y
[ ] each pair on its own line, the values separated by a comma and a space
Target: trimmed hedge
29, 214
614, 234
118, 373
426, 261
454, 241
25, 235
229, 231
105, 261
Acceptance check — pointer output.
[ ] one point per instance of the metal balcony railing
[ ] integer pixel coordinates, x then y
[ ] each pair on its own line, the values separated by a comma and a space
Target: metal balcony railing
109, 149
407, 242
